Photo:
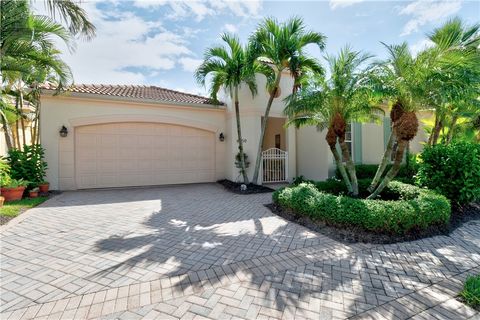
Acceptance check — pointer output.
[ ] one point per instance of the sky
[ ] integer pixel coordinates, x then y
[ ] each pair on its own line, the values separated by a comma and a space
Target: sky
161, 42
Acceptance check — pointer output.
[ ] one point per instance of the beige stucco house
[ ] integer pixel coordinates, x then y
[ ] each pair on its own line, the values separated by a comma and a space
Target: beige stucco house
142, 135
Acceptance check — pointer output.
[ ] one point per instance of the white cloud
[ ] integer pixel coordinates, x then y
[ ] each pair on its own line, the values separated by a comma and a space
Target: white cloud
189, 64
427, 11
421, 45
334, 4
126, 50
230, 28
182, 9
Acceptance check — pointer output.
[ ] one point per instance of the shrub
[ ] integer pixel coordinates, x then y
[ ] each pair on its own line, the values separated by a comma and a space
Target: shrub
4, 172
471, 291
367, 171
416, 210
28, 164
452, 170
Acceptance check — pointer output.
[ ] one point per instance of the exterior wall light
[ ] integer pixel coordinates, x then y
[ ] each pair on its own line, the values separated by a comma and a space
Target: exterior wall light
221, 137
63, 132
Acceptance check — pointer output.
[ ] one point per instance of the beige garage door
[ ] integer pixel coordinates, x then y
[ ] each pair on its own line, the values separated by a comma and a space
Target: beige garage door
140, 154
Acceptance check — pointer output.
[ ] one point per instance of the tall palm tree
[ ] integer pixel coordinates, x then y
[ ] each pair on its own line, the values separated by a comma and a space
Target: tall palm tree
345, 97
231, 67
70, 12
280, 46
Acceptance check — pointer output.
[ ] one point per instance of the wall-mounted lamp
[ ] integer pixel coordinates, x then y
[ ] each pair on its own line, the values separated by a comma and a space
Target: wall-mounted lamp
221, 137
63, 132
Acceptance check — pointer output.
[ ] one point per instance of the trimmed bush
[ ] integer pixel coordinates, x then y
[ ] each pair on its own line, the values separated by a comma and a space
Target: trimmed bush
417, 210
471, 291
452, 170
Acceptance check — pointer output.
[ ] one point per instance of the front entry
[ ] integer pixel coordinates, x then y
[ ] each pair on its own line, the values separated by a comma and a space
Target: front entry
141, 154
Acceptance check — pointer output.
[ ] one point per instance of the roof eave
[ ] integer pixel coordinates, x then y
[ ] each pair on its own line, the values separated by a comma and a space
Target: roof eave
94, 96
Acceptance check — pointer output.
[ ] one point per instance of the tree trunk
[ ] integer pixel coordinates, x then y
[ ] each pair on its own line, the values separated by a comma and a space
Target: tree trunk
258, 159
436, 130
17, 126
7, 130
341, 168
385, 160
451, 129
393, 170
240, 141
24, 138
350, 167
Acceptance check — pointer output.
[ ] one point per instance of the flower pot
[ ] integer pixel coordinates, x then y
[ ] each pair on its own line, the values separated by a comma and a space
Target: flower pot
33, 194
2, 199
44, 187
12, 194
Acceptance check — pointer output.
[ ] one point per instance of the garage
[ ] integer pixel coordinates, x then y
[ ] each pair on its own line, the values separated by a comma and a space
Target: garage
141, 154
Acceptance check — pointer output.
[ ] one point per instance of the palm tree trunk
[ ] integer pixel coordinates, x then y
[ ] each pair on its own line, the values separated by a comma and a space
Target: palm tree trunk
258, 159
350, 167
24, 138
393, 170
436, 130
341, 168
240, 141
17, 125
383, 164
451, 129
7, 130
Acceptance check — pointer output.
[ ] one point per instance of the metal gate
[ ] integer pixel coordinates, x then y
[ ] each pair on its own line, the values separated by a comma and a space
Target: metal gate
274, 165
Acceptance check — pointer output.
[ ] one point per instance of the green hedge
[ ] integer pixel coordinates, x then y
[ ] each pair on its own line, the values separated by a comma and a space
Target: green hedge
416, 210
452, 170
367, 171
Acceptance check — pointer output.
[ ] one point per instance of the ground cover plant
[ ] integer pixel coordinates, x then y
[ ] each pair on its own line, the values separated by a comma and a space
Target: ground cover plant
12, 209
471, 292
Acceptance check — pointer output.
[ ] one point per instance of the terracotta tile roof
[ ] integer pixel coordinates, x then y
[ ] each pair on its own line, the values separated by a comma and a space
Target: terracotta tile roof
136, 91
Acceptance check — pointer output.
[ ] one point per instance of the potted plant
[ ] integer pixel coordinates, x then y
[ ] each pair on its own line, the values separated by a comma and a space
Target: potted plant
43, 186
33, 193
13, 189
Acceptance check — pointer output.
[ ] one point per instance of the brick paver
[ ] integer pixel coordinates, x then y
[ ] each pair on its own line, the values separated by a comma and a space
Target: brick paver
197, 251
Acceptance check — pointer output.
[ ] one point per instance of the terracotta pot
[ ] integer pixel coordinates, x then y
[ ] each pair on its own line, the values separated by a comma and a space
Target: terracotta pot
44, 187
33, 194
2, 199
12, 194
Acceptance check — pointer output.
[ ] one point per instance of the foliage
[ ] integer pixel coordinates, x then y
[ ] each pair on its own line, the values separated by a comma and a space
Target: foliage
14, 208
471, 291
4, 172
417, 210
28, 164
452, 170
15, 183
367, 171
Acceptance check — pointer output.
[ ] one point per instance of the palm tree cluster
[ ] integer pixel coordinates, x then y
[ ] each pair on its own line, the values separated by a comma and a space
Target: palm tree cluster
29, 57
444, 78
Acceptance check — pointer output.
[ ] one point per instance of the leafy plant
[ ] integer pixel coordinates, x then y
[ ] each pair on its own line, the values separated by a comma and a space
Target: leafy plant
4, 172
15, 183
471, 291
416, 210
28, 164
452, 170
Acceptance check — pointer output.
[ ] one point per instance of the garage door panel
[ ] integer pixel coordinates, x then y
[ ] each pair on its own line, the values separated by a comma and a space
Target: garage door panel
136, 154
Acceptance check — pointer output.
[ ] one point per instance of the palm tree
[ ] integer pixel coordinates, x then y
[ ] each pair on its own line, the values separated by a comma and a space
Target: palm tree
457, 73
75, 16
280, 46
403, 79
345, 97
231, 67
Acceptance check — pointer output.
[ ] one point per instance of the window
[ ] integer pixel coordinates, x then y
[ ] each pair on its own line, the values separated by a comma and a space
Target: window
349, 139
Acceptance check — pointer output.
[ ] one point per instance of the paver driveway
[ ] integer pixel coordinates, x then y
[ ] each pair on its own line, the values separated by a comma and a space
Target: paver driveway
198, 251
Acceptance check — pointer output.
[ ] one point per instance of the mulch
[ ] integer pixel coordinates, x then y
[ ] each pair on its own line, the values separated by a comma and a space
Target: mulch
235, 187
355, 234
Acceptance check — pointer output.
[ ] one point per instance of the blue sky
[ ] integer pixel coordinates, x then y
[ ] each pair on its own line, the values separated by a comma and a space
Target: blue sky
161, 42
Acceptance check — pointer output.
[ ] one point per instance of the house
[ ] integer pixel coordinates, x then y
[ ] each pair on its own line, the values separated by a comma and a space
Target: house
121, 136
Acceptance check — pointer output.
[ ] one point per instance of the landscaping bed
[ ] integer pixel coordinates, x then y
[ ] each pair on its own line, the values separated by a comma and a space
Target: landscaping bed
12, 209
405, 212
235, 187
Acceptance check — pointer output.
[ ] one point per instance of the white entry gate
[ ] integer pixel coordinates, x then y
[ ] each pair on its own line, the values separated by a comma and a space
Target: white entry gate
274, 165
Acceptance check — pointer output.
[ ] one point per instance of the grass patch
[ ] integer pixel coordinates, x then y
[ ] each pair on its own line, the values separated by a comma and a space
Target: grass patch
14, 208
471, 292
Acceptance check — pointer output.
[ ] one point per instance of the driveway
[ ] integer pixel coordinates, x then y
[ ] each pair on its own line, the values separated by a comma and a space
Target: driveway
198, 251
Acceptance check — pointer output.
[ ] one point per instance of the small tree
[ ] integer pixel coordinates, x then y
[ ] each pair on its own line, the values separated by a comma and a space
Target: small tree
345, 97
